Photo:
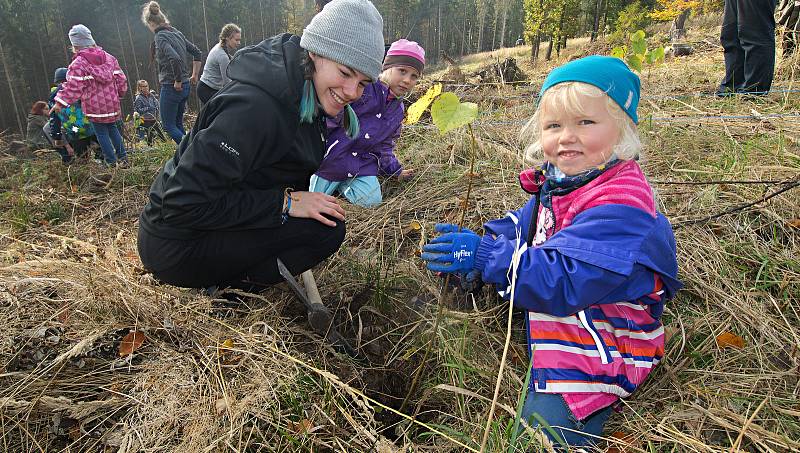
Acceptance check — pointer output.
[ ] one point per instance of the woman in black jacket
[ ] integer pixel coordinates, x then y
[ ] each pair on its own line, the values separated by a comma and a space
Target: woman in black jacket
234, 197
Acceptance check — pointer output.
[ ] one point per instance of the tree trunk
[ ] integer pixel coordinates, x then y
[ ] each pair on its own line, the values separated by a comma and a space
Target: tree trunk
205, 27
463, 30
678, 30
11, 90
121, 46
598, 6
481, 18
62, 30
503, 27
133, 49
549, 53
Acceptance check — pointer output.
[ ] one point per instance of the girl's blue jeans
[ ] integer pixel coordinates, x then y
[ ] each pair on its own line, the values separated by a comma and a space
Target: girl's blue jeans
110, 140
173, 106
552, 408
362, 190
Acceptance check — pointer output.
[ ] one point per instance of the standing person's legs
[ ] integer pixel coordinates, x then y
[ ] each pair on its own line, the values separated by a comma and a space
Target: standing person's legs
168, 107
551, 408
757, 38
102, 131
734, 54
205, 92
184, 97
119, 144
243, 259
362, 191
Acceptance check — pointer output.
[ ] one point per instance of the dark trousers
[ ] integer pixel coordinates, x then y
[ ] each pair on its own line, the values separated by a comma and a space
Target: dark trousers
240, 259
205, 92
748, 39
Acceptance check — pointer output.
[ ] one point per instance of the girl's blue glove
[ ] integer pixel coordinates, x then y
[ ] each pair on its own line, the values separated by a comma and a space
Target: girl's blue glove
453, 251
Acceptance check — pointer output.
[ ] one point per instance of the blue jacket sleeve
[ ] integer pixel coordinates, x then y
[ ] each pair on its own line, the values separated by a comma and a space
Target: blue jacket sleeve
605, 256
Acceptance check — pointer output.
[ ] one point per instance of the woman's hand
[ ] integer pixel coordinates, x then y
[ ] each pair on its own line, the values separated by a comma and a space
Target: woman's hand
193, 79
56, 108
178, 86
312, 205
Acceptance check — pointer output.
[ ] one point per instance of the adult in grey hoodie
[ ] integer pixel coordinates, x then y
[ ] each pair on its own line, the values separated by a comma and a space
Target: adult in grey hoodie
173, 52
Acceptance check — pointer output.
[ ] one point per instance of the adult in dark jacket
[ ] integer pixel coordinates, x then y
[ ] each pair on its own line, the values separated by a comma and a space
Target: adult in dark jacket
172, 51
748, 40
234, 197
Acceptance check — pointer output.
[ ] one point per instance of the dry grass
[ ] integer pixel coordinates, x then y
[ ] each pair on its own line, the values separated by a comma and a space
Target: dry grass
71, 287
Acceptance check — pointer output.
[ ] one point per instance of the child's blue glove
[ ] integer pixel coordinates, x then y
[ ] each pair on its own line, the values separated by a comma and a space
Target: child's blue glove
453, 251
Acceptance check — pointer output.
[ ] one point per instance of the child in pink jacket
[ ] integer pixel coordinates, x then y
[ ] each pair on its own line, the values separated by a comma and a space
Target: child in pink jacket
96, 80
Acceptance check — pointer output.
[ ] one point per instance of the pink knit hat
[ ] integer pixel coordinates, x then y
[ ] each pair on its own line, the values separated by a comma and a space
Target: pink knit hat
405, 53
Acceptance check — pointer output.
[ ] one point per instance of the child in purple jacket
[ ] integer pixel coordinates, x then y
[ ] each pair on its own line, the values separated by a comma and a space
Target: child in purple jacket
352, 165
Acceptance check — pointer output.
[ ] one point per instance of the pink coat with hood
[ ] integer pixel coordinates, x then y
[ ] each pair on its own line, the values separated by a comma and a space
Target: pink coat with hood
96, 80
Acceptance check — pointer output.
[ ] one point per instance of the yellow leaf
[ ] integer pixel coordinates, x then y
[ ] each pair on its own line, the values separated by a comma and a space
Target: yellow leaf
411, 227
729, 340
416, 109
794, 223
131, 343
225, 346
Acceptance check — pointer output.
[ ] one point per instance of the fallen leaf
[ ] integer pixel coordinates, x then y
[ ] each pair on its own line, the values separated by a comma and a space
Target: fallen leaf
301, 427
729, 340
131, 343
225, 347
411, 227
624, 443
794, 223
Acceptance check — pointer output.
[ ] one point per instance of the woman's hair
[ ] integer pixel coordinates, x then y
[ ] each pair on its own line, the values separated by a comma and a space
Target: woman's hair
567, 96
39, 108
228, 30
152, 14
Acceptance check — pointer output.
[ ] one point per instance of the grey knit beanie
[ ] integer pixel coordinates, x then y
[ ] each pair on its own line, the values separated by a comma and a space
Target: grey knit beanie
81, 36
349, 32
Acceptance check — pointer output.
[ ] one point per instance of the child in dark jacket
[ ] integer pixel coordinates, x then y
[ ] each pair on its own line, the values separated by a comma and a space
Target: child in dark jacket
352, 164
589, 258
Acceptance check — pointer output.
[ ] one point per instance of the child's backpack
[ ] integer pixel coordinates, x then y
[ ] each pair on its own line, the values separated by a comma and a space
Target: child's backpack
75, 125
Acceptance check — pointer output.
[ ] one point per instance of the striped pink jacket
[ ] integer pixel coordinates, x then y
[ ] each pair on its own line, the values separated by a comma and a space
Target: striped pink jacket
96, 80
605, 351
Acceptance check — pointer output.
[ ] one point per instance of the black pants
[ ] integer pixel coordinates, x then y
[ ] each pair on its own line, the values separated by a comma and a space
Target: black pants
205, 92
240, 259
748, 39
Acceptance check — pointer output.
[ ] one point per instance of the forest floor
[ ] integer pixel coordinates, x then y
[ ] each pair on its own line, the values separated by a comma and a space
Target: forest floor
97, 356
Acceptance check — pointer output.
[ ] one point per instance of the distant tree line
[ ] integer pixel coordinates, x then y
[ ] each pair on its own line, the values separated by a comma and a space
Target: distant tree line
33, 33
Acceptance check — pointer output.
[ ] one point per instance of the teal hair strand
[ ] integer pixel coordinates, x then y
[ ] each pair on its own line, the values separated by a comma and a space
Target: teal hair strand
308, 103
353, 128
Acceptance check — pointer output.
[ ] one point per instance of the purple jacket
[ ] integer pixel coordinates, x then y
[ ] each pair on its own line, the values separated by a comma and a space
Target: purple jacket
372, 152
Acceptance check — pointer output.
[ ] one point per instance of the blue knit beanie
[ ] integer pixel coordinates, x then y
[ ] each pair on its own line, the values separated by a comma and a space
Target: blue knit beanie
609, 74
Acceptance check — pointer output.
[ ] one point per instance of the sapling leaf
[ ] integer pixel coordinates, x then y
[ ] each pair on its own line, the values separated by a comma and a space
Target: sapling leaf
657, 54
449, 113
416, 109
619, 52
635, 61
638, 43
